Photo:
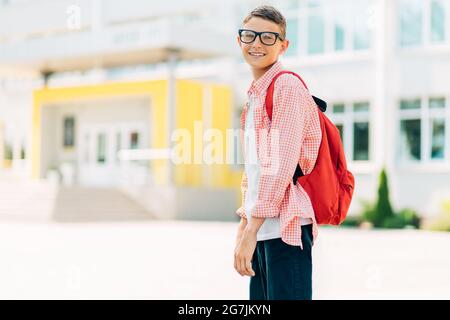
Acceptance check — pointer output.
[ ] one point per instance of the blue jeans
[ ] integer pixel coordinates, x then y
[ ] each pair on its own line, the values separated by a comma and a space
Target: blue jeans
282, 271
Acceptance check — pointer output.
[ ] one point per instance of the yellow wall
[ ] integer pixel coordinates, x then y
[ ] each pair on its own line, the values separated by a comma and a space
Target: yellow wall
189, 101
222, 119
190, 109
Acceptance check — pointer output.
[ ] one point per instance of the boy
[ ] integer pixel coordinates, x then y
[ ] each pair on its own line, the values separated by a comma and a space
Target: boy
278, 227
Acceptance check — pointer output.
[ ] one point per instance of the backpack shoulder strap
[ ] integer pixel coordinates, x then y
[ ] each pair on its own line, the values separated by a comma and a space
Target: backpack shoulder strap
269, 95
269, 107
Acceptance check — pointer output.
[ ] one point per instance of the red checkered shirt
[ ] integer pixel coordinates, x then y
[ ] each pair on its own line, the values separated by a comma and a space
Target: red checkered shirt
292, 137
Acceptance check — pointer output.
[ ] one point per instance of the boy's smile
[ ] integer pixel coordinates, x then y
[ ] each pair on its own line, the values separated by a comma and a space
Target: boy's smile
258, 55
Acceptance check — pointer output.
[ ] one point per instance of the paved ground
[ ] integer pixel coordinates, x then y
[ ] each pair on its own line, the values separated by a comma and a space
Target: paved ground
194, 260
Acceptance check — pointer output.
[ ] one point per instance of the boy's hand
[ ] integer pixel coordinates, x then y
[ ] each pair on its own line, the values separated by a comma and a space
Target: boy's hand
244, 252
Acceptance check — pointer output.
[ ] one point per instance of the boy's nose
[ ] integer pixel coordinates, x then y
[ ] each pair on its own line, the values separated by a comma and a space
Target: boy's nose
257, 43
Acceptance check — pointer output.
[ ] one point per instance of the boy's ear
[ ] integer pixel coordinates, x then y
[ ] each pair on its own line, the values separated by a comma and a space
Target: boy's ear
284, 46
238, 40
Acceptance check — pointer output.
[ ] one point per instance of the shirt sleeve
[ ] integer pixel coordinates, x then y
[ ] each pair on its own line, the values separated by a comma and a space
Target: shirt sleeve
244, 185
244, 181
280, 147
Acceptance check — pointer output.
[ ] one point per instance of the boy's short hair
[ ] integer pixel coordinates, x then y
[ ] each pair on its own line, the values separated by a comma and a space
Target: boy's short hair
271, 14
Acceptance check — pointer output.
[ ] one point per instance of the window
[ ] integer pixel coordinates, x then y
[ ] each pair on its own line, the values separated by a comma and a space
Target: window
361, 107
118, 144
410, 104
352, 121
69, 132
86, 153
437, 138
338, 108
338, 26
288, 4
341, 132
339, 14
423, 133
411, 22
361, 131
362, 34
292, 36
437, 128
437, 103
423, 22
339, 37
437, 23
316, 29
410, 139
101, 148
134, 140
361, 141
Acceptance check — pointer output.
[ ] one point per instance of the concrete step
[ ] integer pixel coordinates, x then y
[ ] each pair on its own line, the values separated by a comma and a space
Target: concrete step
38, 199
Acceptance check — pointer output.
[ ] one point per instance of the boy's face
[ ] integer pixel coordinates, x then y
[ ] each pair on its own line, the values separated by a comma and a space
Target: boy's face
270, 53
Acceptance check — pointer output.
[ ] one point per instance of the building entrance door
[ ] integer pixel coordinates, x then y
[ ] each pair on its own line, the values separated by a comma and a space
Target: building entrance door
98, 160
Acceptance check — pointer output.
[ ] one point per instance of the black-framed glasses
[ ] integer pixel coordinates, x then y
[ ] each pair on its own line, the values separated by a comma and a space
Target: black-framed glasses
266, 37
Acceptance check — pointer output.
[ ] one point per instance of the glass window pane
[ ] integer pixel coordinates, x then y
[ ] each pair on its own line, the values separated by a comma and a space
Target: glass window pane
410, 22
362, 35
338, 108
86, 148
437, 21
361, 40
361, 141
437, 103
341, 131
360, 107
410, 139
292, 36
339, 37
134, 140
101, 148
316, 33
339, 12
288, 4
410, 104
437, 138
118, 145
69, 132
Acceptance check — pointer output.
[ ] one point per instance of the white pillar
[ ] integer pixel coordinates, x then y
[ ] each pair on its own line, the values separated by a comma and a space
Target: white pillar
171, 108
390, 88
382, 112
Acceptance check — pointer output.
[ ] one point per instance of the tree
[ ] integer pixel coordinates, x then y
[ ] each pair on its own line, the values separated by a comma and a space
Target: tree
382, 211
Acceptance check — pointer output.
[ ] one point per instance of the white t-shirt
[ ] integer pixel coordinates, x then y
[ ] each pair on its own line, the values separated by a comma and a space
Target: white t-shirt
270, 229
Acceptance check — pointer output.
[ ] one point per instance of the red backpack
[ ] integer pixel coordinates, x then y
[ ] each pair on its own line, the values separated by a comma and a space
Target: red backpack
329, 185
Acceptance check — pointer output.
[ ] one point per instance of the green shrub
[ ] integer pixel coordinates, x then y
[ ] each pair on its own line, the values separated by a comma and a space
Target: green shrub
368, 210
382, 210
405, 218
410, 217
352, 221
381, 215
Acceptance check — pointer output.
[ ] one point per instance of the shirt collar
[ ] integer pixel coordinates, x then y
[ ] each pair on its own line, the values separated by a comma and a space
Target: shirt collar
260, 85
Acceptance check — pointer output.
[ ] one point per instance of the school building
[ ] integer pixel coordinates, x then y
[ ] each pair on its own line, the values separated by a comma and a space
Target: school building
82, 80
